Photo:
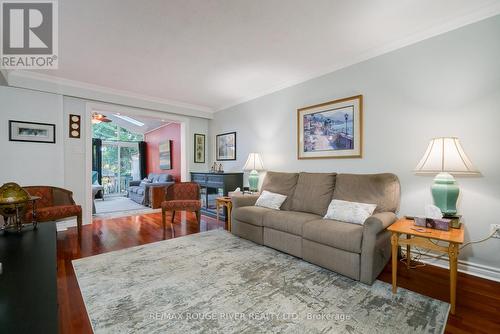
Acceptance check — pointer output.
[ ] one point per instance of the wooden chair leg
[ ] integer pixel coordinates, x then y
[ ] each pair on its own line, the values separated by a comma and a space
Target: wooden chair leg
163, 219
79, 225
172, 224
198, 216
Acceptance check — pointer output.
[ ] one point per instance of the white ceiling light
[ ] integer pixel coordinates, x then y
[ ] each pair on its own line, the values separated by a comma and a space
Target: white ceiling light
129, 119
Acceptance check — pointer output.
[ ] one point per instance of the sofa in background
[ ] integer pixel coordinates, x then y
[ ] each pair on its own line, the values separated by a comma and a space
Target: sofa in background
138, 191
298, 228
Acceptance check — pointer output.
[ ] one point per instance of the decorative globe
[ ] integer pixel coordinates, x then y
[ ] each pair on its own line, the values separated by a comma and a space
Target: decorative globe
11, 193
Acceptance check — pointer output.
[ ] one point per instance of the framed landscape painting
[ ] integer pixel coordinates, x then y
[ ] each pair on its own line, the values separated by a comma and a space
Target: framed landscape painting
331, 130
225, 145
165, 150
32, 132
199, 148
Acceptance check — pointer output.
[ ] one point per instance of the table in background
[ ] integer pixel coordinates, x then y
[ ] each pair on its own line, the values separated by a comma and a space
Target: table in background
428, 240
224, 202
28, 283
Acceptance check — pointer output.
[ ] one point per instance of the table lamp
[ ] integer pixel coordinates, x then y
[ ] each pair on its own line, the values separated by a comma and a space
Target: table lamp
254, 165
444, 157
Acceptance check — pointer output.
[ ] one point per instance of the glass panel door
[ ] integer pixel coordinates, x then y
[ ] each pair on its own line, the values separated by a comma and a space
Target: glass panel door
129, 166
110, 168
120, 164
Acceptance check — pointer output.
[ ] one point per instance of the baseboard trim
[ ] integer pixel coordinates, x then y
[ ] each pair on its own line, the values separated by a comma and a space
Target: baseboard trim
466, 267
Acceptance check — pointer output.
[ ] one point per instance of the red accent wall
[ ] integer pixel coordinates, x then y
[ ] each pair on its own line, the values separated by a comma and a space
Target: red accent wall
154, 138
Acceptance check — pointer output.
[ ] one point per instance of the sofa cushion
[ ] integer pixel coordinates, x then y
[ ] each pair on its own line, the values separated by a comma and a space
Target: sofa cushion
281, 183
335, 234
140, 191
270, 200
380, 189
54, 213
288, 221
151, 177
349, 212
250, 214
313, 192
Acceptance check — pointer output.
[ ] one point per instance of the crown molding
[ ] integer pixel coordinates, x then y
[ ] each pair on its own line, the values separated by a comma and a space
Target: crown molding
56, 85
447, 26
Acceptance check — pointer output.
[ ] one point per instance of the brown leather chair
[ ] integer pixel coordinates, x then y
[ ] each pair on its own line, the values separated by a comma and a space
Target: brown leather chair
183, 196
54, 204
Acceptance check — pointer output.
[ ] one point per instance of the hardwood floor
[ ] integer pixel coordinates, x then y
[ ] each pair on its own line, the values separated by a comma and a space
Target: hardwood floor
478, 303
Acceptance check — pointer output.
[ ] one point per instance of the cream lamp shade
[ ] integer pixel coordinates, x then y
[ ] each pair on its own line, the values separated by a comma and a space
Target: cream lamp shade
445, 154
254, 162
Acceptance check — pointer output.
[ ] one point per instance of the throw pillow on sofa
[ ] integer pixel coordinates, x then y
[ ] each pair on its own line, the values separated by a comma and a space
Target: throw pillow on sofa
349, 212
270, 200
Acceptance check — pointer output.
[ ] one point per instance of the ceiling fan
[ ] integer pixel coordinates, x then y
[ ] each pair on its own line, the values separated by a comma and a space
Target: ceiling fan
98, 118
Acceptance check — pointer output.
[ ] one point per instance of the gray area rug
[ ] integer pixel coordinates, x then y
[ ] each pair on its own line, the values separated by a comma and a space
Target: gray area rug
214, 282
115, 204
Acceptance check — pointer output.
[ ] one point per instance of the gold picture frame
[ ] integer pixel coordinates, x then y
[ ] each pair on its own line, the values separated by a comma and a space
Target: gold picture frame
331, 130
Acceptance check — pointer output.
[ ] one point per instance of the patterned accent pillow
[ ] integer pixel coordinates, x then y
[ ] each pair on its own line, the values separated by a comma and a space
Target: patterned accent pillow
270, 200
349, 212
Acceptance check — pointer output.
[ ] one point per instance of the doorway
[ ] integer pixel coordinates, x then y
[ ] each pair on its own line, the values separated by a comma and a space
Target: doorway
122, 163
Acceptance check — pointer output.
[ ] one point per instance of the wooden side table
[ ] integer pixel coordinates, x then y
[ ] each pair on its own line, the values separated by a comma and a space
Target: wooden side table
426, 239
224, 202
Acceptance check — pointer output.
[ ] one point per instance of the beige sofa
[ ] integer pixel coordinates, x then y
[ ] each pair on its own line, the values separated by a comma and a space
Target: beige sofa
298, 228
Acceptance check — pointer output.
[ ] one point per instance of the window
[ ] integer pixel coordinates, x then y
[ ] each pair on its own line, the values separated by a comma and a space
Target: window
111, 131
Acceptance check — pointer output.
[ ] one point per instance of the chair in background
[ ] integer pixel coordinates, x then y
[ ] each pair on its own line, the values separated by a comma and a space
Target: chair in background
183, 196
97, 189
54, 204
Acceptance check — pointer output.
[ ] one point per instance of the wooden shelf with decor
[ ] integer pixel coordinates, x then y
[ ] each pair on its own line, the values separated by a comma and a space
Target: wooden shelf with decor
215, 185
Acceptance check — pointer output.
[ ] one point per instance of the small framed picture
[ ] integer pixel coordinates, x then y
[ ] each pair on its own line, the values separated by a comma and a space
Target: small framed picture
225, 145
165, 150
199, 148
32, 132
331, 130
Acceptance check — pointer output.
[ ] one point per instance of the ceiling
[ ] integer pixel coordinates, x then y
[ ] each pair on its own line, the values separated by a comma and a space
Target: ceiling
149, 123
218, 53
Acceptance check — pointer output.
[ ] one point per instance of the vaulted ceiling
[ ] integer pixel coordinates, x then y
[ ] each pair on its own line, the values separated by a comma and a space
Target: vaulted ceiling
217, 53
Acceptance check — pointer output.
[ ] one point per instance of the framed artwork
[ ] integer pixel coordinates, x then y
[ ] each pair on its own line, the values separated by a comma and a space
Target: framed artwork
331, 130
74, 126
199, 148
32, 132
165, 150
225, 145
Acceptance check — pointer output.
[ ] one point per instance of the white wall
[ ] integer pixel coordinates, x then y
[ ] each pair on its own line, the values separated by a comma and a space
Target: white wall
447, 85
31, 163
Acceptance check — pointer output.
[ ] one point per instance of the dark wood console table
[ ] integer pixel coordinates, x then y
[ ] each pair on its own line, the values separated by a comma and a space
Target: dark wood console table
28, 282
215, 185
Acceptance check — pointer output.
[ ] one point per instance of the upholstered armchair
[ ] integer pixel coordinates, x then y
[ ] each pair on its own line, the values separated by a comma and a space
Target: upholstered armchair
54, 204
183, 196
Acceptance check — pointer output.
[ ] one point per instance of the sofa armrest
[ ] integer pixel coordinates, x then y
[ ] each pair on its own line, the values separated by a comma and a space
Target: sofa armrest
376, 245
134, 183
378, 222
245, 200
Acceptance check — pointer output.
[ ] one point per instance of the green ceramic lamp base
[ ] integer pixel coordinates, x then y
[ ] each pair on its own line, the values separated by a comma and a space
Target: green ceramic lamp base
445, 193
253, 181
